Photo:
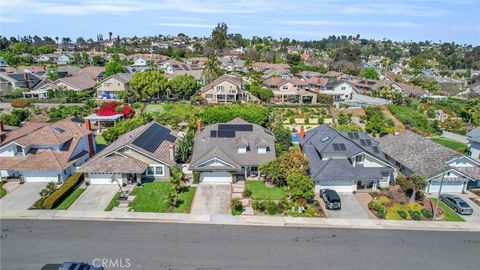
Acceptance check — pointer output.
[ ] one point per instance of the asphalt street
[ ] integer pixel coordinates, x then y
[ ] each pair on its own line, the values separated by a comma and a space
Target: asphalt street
29, 244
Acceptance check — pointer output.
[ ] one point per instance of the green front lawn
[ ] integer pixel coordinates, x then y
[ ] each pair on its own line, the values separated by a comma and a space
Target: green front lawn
152, 197
450, 215
100, 142
3, 192
114, 202
261, 192
70, 199
454, 145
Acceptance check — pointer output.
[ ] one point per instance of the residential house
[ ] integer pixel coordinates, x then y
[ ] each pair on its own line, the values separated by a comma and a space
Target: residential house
76, 83
225, 89
291, 91
474, 143
12, 81
263, 66
41, 89
111, 87
144, 154
231, 151
414, 154
339, 90
270, 73
41, 152
345, 161
63, 59
94, 72
368, 86
140, 64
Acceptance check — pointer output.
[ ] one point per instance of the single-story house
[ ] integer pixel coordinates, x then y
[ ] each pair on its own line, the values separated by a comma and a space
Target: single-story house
345, 161
414, 154
144, 154
76, 83
474, 143
41, 152
231, 151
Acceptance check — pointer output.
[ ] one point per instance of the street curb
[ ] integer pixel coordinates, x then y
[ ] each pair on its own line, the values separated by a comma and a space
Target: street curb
262, 221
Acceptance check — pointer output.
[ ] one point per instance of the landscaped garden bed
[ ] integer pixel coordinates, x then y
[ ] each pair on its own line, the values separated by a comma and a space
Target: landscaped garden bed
446, 213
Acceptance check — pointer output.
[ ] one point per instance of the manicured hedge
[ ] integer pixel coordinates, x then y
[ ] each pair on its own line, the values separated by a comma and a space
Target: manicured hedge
61, 193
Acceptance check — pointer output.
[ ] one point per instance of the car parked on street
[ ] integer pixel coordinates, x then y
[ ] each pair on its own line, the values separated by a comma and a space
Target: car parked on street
71, 266
457, 204
331, 198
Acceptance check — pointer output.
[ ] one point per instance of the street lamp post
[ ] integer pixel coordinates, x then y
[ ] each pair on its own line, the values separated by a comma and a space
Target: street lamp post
438, 197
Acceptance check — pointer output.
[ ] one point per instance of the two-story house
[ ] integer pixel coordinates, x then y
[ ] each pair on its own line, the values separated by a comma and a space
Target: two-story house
339, 90
231, 151
441, 166
63, 59
41, 152
111, 87
345, 161
225, 89
290, 90
12, 81
144, 154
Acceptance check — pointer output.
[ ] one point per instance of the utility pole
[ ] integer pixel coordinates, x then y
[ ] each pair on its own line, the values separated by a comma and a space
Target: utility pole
438, 197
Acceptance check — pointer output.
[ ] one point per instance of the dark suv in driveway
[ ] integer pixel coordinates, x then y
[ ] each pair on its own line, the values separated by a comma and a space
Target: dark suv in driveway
331, 199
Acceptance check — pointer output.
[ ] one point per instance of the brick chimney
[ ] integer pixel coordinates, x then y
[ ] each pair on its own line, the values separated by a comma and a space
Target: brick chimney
199, 125
2, 129
25, 77
171, 150
302, 132
91, 147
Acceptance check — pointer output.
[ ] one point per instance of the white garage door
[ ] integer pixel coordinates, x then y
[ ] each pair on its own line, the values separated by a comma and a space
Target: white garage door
447, 187
104, 178
37, 177
340, 186
215, 177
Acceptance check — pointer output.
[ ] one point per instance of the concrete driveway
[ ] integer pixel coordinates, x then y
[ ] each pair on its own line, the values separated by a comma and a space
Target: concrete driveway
212, 199
351, 208
22, 197
95, 198
476, 208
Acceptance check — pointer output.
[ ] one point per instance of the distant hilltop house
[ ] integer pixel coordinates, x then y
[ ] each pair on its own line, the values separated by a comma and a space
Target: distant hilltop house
110, 88
41, 152
225, 89
63, 59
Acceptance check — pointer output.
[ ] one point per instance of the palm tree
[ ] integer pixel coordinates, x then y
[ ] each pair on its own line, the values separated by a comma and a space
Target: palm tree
211, 69
56, 38
110, 35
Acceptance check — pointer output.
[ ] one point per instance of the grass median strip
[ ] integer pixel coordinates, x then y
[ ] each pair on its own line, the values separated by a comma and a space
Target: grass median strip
3, 192
114, 202
65, 204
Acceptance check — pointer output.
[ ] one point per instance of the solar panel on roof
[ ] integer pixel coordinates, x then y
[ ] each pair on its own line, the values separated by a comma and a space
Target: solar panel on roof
375, 149
151, 138
369, 142
213, 133
363, 142
226, 134
342, 147
350, 135
235, 127
355, 134
336, 147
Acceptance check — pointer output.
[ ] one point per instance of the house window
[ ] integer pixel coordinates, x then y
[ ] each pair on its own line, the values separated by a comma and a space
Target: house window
285, 87
359, 159
155, 170
19, 149
107, 84
344, 88
219, 88
208, 96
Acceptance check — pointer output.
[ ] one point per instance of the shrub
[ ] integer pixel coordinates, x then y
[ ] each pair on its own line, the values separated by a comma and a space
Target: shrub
415, 215
61, 193
382, 212
375, 205
247, 193
384, 199
402, 214
291, 120
196, 177
316, 203
236, 207
19, 103
258, 205
272, 208
427, 213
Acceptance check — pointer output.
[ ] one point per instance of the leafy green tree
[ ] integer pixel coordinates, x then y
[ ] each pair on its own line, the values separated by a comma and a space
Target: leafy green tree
52, 75
264, 94
371, 73
150, 83
294, 59
211, 69
289, 162
283, 139
184, 148
184, 85
300, 187
219, 36
114, 66
344, 119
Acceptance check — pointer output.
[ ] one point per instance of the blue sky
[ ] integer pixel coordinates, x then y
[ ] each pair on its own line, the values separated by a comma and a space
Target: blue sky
445, 20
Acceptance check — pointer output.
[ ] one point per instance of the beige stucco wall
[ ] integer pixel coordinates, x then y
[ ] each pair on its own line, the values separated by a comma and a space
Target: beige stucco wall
112, 85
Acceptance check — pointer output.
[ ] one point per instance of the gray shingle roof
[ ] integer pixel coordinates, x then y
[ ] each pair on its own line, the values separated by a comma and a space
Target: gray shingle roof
320, 142
225, 149
474, 134
417, 153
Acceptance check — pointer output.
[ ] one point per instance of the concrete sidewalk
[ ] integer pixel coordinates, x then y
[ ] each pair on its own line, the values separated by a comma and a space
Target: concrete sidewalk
243, 220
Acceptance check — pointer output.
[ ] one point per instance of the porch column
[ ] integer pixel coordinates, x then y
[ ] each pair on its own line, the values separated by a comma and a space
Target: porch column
246, 169
258, 173
374, 186
139, 178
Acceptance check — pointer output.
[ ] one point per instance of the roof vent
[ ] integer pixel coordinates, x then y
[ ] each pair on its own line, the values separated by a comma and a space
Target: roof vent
324, 139
58, 129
